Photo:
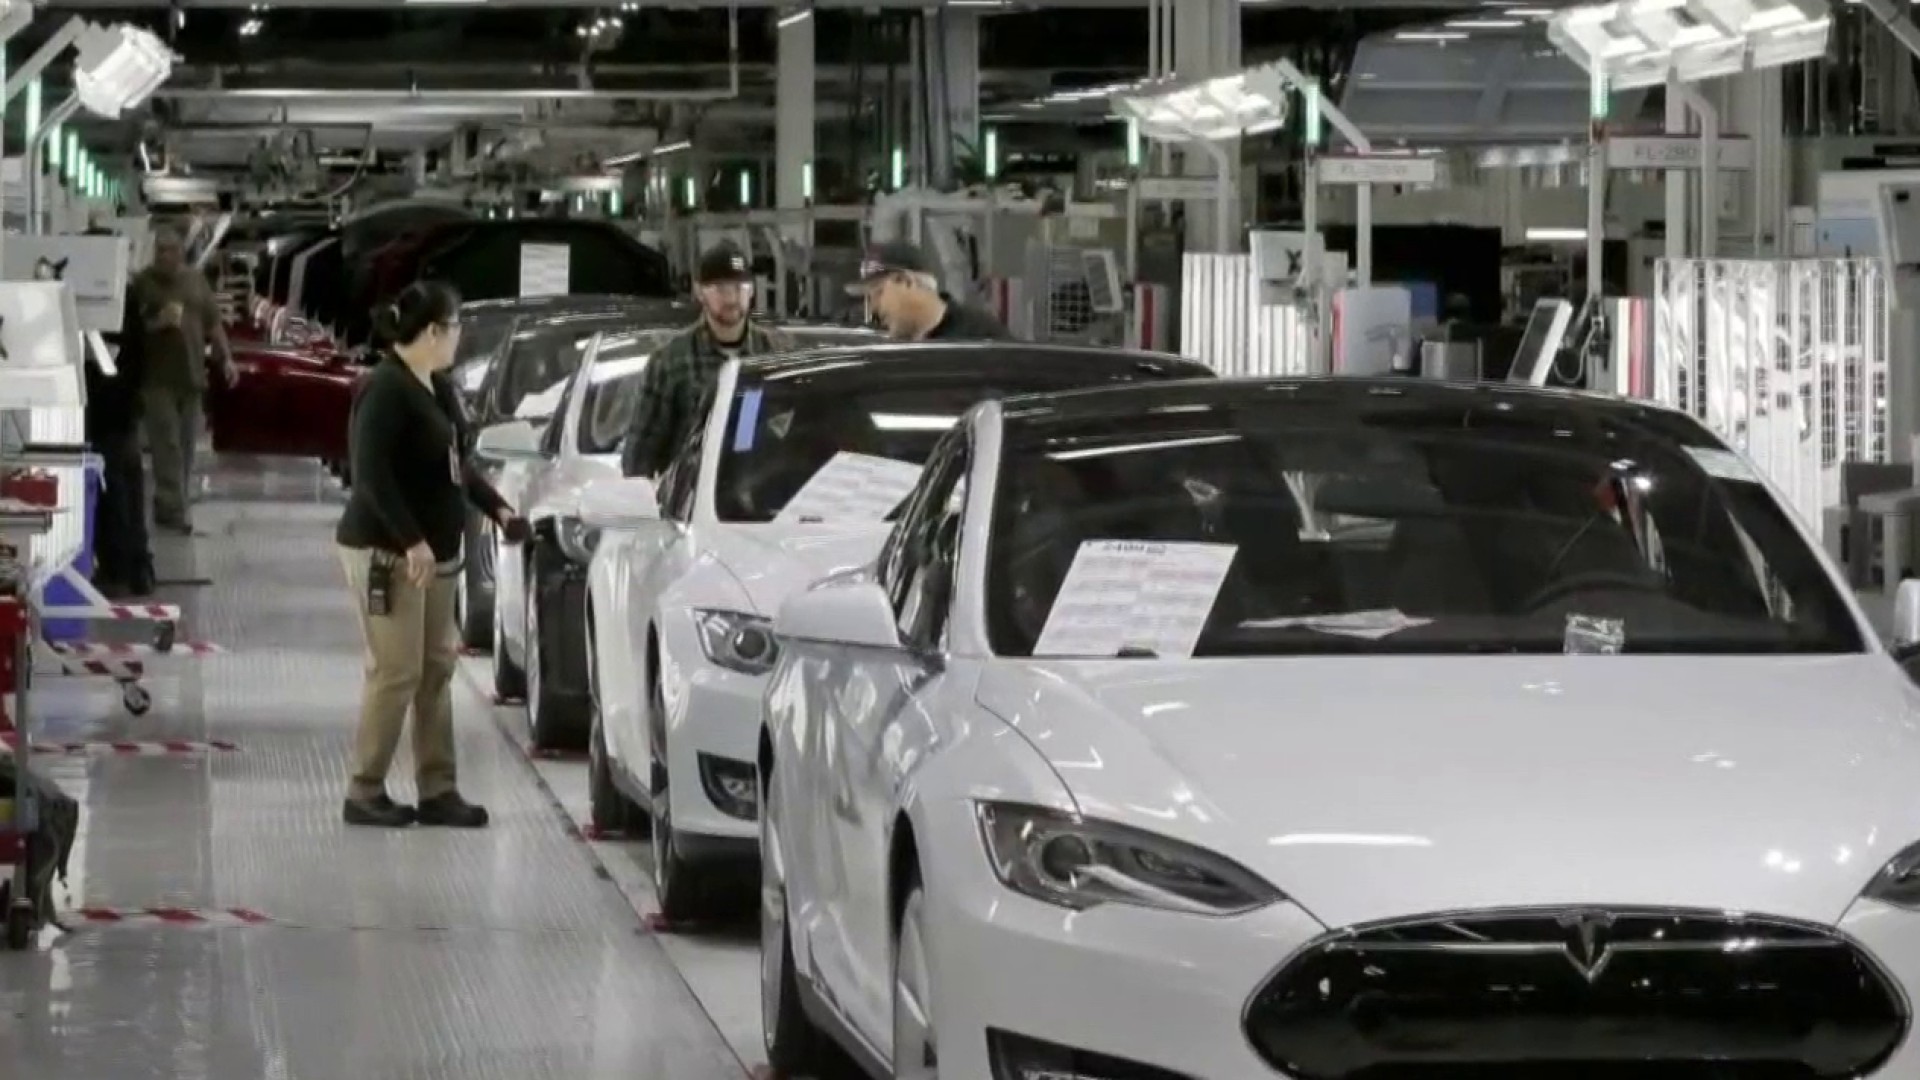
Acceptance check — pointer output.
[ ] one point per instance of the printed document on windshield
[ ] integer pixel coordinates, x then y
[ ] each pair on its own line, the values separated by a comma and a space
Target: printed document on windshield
851, 487
1123, 595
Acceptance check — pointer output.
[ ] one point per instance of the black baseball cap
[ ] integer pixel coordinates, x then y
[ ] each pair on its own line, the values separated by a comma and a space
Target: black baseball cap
897, 257
723, 262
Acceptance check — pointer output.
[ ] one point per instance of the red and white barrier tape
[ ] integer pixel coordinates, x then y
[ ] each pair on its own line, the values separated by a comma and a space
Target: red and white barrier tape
120, 612
161, 748
201, 918
105, 648
119, 669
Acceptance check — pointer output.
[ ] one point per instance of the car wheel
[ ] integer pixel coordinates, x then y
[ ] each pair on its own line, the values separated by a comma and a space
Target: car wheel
682, 886
794, 1045
556, 720
916, 1054
476, 626
509, 682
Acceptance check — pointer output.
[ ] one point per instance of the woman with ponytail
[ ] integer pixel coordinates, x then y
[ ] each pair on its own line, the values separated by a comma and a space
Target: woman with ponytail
400, 541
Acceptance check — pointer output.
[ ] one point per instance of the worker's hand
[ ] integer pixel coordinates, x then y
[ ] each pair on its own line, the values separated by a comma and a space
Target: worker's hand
420, 564
513, 526
230, 371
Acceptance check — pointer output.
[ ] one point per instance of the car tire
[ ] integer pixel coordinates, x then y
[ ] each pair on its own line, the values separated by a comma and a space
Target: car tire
794, 1046
509, 682
684, 887
914, 1027
554, 719
476, 620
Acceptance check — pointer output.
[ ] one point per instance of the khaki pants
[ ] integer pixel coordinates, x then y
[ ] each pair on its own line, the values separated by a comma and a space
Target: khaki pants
411, 655
171, 416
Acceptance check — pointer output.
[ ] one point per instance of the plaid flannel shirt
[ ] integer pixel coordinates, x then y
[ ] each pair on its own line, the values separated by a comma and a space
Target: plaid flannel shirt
673, 387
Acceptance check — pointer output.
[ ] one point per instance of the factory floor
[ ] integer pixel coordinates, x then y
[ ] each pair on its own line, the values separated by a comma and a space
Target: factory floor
221, 923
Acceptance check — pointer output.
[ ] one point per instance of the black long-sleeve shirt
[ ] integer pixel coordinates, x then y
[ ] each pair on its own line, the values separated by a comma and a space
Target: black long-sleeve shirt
412, 479
113, 401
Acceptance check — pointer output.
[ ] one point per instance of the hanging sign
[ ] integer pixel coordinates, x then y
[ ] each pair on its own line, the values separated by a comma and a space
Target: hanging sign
94, 269
1677, 152
545, 269
1378, 169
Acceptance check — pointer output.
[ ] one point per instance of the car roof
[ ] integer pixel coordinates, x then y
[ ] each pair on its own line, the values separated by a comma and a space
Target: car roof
536, 305
854, 363
1100, 409
647, 317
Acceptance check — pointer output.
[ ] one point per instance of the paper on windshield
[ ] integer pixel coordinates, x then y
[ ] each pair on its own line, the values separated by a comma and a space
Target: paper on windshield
1592, 635
852, 487
542, 405
1371, 625
1722, 464
1121, 595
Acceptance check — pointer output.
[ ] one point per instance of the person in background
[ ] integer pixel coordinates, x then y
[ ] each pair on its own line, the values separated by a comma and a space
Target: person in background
681, 372
400, 543
902, 290
123, 559
179, 317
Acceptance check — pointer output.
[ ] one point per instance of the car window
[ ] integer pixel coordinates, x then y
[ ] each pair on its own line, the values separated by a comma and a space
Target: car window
536, 360
480, 339
1372, 526
918, 561
682, 479
613, 389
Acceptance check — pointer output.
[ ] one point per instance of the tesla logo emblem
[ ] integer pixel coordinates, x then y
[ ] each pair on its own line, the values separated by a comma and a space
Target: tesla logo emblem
1587, 947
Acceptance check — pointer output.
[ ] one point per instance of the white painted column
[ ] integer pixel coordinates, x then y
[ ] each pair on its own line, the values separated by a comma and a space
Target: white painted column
1676, 179
1206, 43
793, 110
959, 44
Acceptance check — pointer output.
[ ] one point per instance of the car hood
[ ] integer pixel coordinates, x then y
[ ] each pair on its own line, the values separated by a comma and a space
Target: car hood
1370, 788
773, 562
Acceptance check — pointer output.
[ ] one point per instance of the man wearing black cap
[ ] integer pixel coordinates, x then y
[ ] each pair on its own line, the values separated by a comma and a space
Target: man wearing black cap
902, 290
682, 371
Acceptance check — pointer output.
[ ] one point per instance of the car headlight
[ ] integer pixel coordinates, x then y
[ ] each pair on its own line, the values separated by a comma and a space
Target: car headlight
737, 641
1898, 883
1080, 863
577, 539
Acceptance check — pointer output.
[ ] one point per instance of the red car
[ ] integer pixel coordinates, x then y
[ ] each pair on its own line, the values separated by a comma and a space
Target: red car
289, 401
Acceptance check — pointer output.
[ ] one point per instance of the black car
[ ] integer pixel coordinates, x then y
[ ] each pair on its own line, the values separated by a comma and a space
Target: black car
535, 351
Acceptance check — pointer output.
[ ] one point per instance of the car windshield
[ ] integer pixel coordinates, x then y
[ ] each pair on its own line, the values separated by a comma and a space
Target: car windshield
613, 387
480, 339
537, 360
1362, 523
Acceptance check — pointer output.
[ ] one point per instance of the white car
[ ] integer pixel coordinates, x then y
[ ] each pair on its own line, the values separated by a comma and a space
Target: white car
799, 462
562, 439
1340, 730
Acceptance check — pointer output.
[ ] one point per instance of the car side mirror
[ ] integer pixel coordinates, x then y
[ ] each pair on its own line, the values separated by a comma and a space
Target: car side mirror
854, 613
514, 440
623, 503
1906, 616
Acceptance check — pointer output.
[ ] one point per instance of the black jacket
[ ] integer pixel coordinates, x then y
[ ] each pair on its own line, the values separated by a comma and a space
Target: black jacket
412, 479
964, 322
113, 402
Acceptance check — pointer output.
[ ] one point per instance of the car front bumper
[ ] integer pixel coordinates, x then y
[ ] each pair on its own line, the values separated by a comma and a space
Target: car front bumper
713, 725
1164, 996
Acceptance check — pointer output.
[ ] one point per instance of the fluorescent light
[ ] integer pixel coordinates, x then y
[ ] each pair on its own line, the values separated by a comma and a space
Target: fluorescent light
1529, 13
1546, 235
1428, 35
1486, 24
793, 19
912, 422
672, 148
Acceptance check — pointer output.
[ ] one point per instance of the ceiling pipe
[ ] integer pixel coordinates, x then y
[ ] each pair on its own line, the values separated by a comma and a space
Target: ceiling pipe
47, 53
557, 93
31, 159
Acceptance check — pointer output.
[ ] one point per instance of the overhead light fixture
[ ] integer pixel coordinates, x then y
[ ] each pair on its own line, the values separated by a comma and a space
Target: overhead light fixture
119, 68
1227, 107
1639, 43
1430, 35
1552, 235
793, 18
671, 148
1485, 24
